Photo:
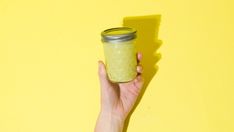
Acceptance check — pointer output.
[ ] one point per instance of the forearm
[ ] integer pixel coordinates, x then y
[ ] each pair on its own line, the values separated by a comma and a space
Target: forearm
109, 123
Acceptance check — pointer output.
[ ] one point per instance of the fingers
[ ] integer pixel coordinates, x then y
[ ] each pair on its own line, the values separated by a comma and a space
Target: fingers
139, 69
138, 82
139, 57
138, 78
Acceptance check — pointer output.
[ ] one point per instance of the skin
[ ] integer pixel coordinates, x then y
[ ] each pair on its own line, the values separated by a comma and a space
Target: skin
117, 99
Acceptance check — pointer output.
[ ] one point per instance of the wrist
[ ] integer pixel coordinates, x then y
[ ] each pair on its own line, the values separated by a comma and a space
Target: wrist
108, 122
111, 117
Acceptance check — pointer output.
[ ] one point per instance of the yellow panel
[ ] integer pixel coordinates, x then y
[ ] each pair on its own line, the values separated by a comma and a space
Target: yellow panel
48, 63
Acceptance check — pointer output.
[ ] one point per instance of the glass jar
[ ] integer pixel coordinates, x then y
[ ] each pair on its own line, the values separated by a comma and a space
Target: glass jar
120, 53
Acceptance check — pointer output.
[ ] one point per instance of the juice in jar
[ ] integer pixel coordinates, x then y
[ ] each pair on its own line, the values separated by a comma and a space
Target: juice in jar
120, 53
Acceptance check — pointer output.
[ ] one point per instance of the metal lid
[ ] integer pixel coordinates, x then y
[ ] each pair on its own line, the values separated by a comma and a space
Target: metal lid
119, 34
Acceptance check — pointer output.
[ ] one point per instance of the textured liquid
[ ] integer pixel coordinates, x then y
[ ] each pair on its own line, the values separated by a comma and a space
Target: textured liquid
121, 61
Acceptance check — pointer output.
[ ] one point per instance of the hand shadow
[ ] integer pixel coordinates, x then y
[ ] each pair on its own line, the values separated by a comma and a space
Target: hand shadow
147, 43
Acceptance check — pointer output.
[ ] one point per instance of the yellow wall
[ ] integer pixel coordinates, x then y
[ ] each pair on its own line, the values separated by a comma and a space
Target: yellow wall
48, 65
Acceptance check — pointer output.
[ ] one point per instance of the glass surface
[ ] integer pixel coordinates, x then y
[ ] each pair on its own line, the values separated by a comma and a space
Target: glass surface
121, 61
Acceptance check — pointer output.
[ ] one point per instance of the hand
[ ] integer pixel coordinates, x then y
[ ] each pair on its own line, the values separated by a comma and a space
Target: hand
117, 99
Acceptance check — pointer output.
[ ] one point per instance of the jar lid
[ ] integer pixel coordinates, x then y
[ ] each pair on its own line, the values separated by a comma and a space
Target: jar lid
119, 34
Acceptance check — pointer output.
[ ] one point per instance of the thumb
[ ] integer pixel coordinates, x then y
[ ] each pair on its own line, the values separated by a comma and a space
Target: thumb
102, 73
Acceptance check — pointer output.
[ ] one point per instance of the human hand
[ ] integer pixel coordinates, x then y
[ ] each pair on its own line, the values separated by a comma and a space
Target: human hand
117, 99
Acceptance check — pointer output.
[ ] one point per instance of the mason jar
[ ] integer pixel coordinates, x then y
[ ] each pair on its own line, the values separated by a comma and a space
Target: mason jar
120, 53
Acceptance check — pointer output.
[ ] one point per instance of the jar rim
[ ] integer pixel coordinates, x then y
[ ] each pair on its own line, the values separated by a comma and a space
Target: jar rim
118, 34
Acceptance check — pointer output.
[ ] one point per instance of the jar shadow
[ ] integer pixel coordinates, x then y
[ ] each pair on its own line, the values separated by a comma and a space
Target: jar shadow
147, 43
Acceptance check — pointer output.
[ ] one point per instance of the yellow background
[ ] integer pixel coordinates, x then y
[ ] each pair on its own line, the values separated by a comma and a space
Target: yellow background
48, 65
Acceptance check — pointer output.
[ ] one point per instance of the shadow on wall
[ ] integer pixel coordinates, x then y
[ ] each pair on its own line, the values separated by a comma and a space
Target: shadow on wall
147, 43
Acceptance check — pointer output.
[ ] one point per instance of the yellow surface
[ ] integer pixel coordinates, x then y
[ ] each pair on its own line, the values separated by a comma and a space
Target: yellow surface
48, 65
